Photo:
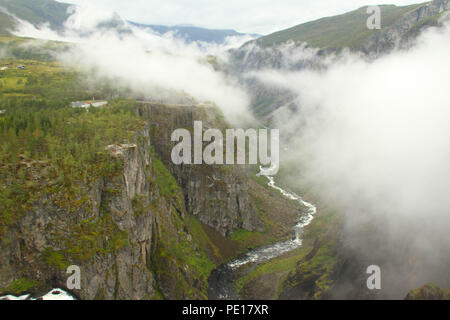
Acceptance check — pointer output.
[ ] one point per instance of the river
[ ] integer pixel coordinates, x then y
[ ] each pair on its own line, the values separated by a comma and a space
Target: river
222, 281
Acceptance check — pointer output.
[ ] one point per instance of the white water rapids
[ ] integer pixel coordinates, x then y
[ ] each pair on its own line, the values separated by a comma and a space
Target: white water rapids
269, 252
55, 294
222, 281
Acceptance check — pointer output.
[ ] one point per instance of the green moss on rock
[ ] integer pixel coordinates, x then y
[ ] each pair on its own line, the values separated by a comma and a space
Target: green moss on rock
20, 286
55, 259
429, 292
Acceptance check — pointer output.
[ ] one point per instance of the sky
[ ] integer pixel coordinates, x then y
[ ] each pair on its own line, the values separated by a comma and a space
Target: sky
249, 16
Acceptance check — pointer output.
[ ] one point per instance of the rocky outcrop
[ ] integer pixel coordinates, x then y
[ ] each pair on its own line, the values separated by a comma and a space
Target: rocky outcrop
130, 228
407, 28
54, 234
294, 56
121, 230
428, 292
251, 57
216, 194
336, 266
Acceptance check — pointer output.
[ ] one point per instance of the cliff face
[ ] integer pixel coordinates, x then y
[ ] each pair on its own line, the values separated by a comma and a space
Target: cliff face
218, 195
113, 230
292, 54
336, 265
330, 270
134, 232
251, 57
428, 292
407, 28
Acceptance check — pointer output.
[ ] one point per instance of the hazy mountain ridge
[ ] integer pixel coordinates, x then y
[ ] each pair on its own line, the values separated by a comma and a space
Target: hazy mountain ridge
314, 44
36, 12
193, 33
39, 12
410, 25
353, 249
349, 30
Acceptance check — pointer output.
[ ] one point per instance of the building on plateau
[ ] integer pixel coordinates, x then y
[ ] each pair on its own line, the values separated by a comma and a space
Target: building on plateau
88, 104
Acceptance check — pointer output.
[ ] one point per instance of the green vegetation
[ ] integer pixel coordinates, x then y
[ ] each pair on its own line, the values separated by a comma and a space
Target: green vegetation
166, 182
205, 243
19, 286
430, 21
55, 259
92, 237
157, 295
59, 150
49, 148
261, 180
264, 205
51, 155
282, 265
261, 107
318, 270
251, 239
313, 263
52, 152
34, 11
6, 23
43, 81
183, 256
13, 202
346, 30
138, 205
266, 202
243, 235
12, 47
185, 253
430, 291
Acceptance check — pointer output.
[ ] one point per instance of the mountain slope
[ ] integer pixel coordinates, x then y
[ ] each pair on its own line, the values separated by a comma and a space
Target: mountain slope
346, 30
98, 190
54, 13
6, 23
34, 11
304, 46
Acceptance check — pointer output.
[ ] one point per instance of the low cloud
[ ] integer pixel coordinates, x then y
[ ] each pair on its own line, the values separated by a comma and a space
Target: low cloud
374, 139
150, 64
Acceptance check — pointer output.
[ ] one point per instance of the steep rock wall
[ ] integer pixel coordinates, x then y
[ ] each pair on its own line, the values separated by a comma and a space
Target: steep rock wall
216, 194
122, 231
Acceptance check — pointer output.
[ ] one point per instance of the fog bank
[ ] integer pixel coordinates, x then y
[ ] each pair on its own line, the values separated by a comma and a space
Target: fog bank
374, 139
